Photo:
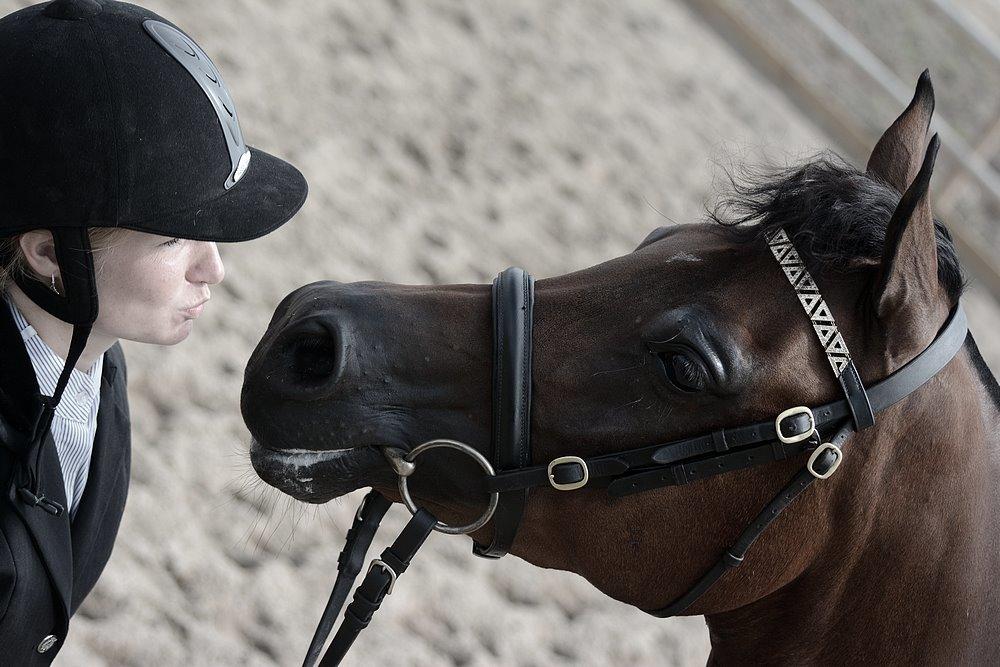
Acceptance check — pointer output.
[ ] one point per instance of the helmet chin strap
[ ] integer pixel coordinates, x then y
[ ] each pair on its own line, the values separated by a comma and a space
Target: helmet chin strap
76, 306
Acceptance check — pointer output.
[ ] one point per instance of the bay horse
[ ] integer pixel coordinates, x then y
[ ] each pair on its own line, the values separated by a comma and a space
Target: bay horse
893, 559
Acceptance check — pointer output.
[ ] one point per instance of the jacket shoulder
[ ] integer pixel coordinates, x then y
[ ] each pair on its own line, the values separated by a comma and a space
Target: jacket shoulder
116, 356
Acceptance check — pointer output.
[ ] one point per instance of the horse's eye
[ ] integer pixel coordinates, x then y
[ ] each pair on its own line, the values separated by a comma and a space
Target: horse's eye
683, 370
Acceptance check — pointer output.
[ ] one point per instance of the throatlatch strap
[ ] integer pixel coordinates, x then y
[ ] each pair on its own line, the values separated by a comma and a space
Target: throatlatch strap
862, 416
734, 555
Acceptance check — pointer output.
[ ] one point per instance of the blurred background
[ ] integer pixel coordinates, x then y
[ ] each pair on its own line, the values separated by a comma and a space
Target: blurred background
442, 142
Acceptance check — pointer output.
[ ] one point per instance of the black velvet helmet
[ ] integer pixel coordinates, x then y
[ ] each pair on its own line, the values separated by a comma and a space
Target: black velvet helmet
111, 116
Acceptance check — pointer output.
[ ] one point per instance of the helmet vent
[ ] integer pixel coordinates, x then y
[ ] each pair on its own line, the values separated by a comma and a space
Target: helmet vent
207, 76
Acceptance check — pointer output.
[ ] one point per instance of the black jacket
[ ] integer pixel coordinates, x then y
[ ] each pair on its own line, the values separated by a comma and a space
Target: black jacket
48, 565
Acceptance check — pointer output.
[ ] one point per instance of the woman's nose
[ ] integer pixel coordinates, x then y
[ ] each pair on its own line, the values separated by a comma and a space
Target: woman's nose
207, 267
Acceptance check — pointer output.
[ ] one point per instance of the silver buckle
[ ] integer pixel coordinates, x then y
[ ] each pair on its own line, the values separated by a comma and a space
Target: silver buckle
385, 568
571, 485
815, 455
800, 410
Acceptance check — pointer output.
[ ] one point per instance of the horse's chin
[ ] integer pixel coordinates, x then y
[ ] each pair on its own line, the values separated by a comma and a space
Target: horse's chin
318, 476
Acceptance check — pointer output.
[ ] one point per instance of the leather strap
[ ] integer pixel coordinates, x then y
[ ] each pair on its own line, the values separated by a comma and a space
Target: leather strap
513, 302
382, 575
684, 473
824, 325
31, 492
924, 366
378, 583
652, 459
890, 391
734, 555
539, 475
77, 305
857, 397
358, 540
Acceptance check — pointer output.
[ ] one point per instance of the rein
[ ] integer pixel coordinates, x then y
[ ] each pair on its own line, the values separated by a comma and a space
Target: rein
795, 431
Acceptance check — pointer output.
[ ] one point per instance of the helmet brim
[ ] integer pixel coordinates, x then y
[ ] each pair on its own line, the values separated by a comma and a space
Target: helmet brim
266, 197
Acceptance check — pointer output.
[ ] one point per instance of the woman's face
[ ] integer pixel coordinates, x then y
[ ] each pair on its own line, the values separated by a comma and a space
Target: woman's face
151, 288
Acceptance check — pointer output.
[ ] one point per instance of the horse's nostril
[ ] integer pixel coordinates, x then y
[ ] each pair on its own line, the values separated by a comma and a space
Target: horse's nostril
314, 357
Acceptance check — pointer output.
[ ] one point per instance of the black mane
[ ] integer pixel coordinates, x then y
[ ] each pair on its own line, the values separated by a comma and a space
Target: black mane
835, 215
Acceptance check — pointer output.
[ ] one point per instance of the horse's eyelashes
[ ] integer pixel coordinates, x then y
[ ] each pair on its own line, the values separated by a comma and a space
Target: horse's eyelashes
688, 372
681, 370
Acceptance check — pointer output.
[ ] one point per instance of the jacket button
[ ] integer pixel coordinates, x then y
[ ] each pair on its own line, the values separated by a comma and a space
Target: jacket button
46, 643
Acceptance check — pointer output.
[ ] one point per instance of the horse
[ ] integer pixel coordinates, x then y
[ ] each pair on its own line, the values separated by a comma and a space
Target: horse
892, 559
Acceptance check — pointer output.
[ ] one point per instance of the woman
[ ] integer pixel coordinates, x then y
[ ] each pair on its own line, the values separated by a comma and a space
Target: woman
122, 164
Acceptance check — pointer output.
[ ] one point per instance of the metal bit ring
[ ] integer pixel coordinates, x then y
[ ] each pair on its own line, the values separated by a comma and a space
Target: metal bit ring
441, 527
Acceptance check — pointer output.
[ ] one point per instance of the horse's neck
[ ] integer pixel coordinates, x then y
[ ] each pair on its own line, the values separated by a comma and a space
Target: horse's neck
908, 573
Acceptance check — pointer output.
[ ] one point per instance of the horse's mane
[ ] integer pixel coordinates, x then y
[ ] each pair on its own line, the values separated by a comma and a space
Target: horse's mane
837, 217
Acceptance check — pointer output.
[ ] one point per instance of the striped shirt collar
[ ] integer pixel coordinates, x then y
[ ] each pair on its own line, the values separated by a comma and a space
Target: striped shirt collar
83, 388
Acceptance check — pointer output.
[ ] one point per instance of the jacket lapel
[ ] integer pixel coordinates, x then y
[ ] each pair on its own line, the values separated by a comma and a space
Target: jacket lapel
107, 461
51, 534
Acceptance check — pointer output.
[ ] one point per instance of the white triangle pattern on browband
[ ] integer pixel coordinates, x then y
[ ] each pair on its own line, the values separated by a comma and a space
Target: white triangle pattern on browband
780, 251
812, 301
793, 273
809, 301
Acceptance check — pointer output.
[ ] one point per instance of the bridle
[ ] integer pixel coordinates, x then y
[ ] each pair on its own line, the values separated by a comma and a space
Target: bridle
794, 432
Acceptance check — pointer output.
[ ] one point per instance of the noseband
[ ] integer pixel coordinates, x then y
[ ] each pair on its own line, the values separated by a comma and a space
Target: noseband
513, 298
794, 432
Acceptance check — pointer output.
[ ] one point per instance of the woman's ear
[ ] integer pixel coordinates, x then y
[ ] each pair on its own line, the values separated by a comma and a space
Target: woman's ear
40, 253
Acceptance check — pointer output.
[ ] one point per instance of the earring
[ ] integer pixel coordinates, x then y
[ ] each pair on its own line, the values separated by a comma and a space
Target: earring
53, 285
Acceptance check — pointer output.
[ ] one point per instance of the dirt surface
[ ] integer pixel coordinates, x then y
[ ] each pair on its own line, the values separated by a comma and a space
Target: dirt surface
442, 142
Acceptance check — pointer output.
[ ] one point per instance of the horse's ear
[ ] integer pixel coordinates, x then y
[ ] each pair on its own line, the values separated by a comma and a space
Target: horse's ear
898, 154
653, 237
906, 293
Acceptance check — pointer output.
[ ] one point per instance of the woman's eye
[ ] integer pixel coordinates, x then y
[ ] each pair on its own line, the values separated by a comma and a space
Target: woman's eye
682, 371
171, 242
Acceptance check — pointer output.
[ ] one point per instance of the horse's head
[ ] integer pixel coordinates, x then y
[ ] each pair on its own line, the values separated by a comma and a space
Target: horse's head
695, 330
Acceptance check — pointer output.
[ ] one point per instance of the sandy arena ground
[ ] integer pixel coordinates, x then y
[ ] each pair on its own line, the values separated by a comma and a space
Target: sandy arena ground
442, 142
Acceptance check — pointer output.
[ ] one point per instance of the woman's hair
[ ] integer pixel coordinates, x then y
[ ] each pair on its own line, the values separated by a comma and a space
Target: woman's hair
13, 262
